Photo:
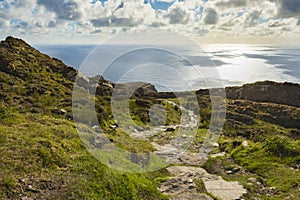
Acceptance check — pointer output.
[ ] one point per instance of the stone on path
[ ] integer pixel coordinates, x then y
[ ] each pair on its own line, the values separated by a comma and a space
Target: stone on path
225, 190
185, 170
192, 159
192, 196
182, 184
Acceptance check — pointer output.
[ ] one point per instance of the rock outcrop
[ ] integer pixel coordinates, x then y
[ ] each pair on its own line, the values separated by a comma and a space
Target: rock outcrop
267, 91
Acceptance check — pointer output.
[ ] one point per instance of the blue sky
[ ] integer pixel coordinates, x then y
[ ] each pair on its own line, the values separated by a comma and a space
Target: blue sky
81, 21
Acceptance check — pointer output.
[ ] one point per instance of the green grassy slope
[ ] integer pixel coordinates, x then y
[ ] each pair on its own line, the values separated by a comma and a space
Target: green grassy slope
42, 156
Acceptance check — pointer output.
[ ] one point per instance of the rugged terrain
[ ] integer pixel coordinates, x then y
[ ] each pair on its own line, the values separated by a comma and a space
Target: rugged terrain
257, 155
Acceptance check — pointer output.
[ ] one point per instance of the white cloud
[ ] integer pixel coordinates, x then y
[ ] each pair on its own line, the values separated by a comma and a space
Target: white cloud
178, 14
251, 18
214, 17
3, 23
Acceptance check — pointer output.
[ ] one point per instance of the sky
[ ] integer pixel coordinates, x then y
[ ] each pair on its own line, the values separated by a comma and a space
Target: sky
211, 21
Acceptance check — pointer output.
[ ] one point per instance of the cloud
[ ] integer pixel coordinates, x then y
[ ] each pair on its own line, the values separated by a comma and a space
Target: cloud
286, 24
178, 15
122, 14
289, 8
65, 10
210, 16
157, 24
275, 23
273, 18
21, 24
251, 19
51, 23
115, 22
202, 32
101, 22
231, 3
3, 23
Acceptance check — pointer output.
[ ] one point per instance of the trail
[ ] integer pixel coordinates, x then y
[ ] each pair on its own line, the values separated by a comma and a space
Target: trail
182, 184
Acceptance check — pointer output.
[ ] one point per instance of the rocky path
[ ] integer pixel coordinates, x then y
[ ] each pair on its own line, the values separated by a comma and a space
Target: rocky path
182, 184
171, 151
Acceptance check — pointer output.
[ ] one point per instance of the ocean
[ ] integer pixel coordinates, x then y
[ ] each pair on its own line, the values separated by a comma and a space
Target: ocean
181, 69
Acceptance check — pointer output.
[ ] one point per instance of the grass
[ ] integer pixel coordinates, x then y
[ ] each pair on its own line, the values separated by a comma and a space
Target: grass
272, 158
42, 156
5, 113
43, 148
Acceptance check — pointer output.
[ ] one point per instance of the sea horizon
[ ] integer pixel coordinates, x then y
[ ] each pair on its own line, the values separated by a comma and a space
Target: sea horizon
236, 64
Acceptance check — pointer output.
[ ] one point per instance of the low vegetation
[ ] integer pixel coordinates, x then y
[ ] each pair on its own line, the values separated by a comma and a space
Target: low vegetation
42, 156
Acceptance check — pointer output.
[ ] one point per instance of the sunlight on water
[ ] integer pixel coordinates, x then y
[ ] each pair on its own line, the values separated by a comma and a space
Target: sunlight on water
236, 64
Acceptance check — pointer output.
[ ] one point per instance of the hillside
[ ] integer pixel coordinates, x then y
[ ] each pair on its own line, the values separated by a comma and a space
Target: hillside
258, 151
43, 157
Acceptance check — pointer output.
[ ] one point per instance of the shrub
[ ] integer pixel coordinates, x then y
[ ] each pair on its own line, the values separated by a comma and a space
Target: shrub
4, 113
7, 187
20, 90
205, 114
282, 146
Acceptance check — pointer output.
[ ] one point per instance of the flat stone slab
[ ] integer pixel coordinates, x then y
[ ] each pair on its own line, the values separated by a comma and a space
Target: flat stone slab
182, 182
225, 190
182, 186
178, 185
192, 196
186, 170
192, 159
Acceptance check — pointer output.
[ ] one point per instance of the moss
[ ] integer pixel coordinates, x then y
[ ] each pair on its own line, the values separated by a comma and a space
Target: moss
200, 186
283, 146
